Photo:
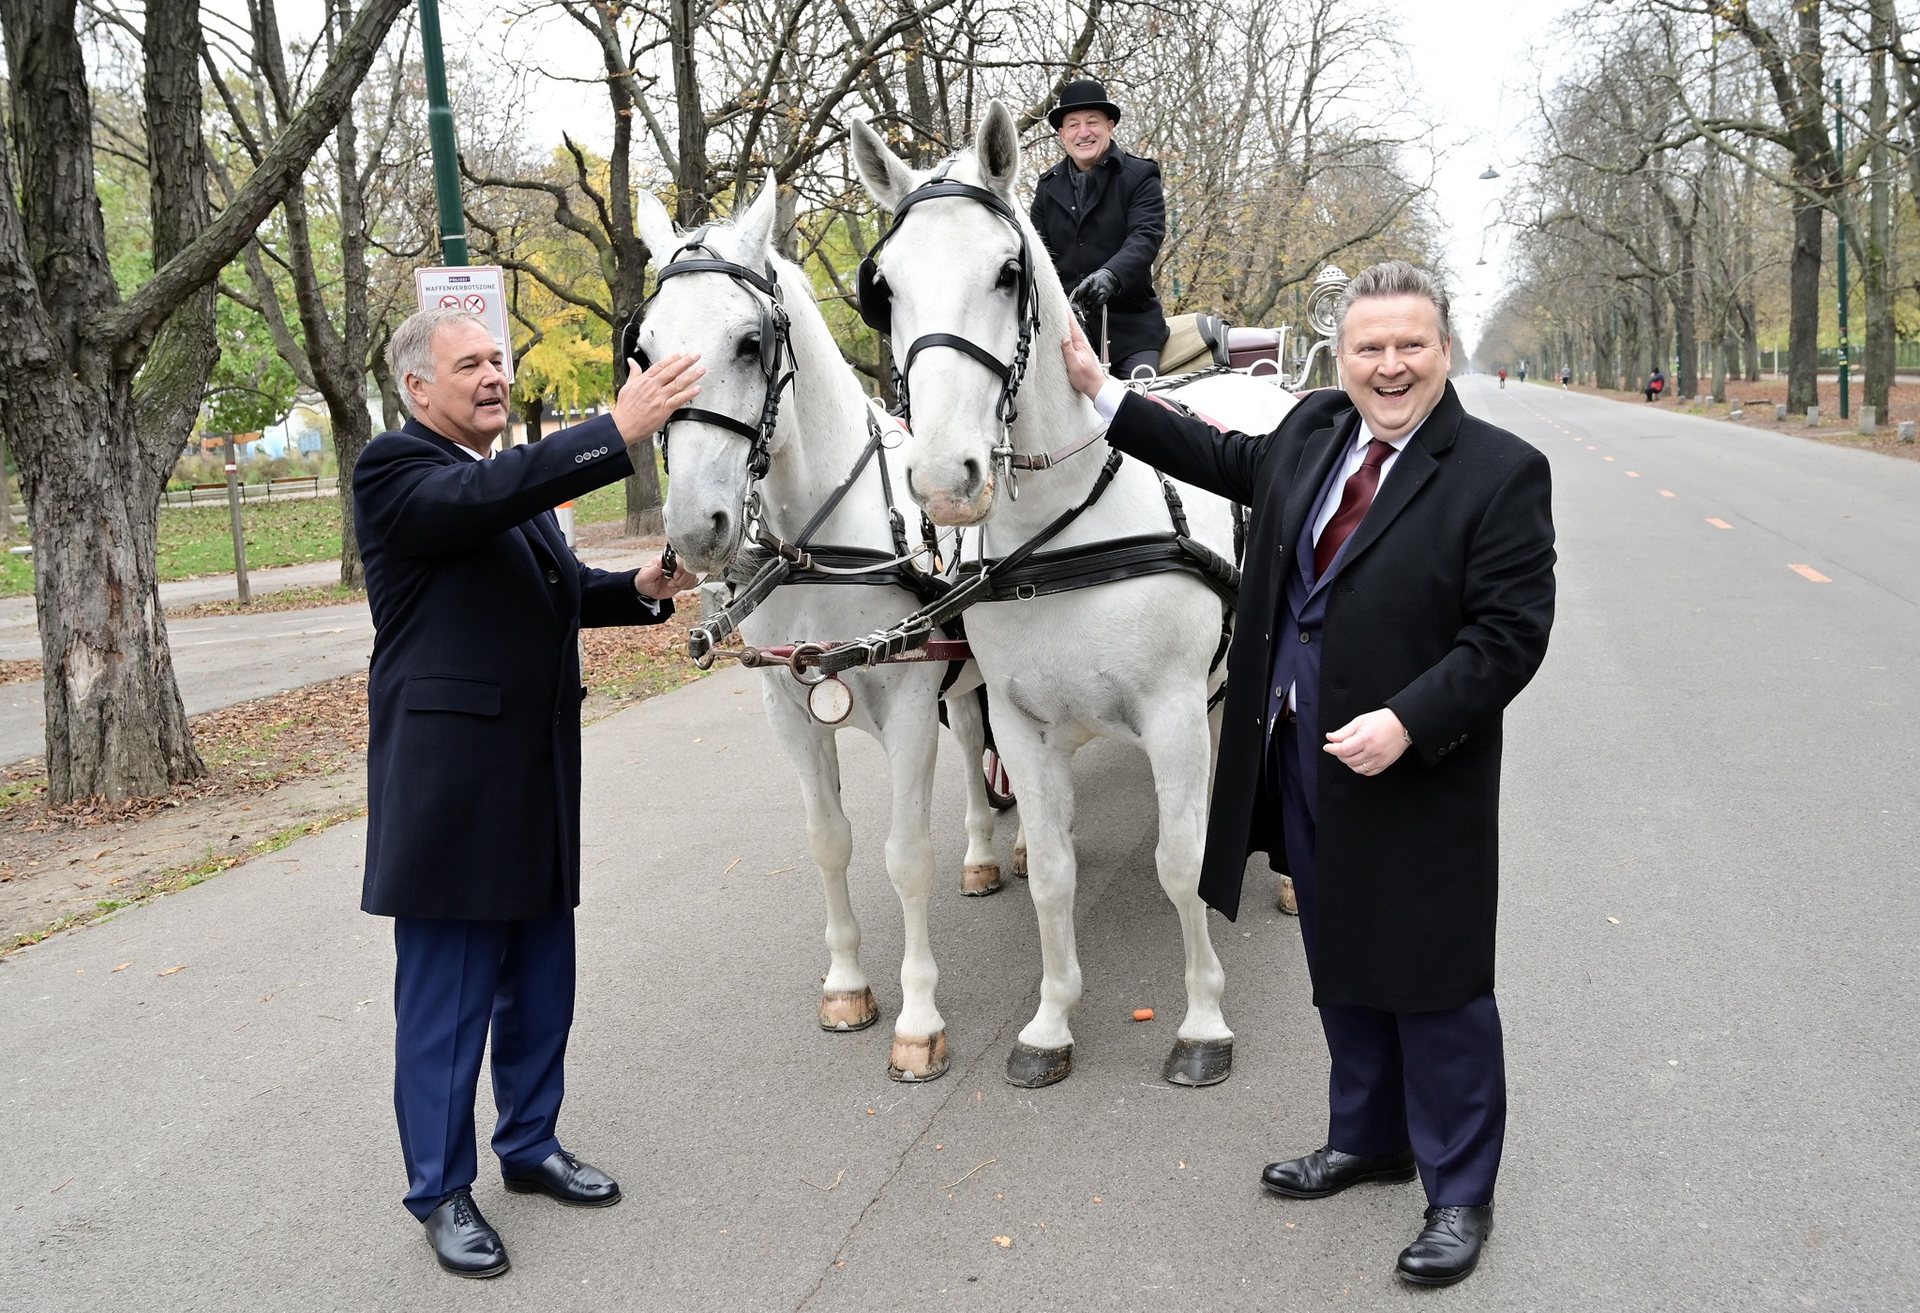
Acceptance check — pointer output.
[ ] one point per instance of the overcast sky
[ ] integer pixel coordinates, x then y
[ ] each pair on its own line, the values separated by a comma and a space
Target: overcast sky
1478, 62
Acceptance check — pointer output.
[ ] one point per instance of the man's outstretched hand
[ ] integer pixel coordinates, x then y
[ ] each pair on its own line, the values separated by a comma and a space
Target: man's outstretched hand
652, 581
1084, 370
650, 396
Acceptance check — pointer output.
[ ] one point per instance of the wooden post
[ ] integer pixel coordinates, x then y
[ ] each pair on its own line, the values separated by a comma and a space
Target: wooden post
239, 533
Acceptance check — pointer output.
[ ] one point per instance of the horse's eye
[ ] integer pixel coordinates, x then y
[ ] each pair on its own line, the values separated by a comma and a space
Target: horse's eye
749, 346
1009, 277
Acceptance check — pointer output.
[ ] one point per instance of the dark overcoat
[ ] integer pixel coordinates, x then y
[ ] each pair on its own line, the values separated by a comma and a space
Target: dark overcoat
1120, 227
473, 753
1440, 612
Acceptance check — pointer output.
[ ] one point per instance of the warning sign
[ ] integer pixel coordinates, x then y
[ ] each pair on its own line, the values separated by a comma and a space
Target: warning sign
478, 289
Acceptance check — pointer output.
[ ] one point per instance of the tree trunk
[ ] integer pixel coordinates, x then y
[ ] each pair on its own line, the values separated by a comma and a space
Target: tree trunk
72, 347
1803, 309
6, 488
392, 416
1876, 264
533, 414
115, 724
96, 590
1686, 382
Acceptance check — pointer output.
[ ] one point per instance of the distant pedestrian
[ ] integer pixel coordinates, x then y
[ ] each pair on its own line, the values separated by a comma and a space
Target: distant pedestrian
1656, 384
1503, 376
1566, 377
1523, 373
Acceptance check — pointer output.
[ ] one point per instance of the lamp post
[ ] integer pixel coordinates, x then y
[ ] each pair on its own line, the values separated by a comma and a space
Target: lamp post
446, 159
1840, 249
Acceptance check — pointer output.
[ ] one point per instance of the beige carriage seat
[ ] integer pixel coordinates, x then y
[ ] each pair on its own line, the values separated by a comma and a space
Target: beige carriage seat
1194, 342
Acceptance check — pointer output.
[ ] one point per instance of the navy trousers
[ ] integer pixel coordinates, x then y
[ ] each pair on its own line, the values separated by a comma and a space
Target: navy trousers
1435, 1082
454, 981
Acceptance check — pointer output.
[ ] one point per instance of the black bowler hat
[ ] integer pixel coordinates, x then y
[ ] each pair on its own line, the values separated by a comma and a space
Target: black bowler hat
1083, 94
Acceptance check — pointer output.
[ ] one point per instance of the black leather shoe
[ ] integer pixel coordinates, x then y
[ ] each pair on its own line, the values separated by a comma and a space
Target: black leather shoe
463, 1242
1448, 1246
1327, 1171
566, 1178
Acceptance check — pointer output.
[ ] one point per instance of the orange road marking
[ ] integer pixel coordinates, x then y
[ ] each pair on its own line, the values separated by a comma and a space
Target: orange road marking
1810, 574
1666, 492
1633, 474
1718, 523
1608, 459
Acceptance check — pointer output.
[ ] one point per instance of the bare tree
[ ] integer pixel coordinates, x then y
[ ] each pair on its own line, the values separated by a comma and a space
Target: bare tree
103, 388
336, 309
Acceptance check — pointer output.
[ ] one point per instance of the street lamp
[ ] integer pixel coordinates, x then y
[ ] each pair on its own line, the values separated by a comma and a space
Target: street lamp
1490, 174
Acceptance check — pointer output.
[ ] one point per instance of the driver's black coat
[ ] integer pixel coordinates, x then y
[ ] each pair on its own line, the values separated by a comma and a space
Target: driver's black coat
1120, 227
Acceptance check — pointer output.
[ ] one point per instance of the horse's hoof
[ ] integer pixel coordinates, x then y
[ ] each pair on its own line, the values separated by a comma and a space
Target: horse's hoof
1020, 862
918, 1058
848, 1009
1199, 1062
980, 879
1031, 1068
1287, 901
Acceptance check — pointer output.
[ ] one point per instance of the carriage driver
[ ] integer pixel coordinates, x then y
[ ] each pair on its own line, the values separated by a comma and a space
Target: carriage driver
1102, 215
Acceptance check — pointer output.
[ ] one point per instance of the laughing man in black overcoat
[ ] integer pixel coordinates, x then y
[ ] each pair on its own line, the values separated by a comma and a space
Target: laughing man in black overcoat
1398, 593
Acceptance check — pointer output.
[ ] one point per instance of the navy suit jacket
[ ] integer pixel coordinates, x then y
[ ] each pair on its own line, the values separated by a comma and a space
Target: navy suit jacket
473, 752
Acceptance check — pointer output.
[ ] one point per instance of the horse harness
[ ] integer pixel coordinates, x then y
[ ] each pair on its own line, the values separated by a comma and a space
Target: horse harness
776, 347
876, 309
1026, 572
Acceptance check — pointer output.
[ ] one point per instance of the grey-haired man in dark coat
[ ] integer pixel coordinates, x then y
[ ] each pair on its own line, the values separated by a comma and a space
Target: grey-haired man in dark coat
473, 755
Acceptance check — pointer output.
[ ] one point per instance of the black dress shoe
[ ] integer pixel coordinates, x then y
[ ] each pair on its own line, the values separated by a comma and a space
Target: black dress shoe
1328, 1171
463, 1242
566, 1178
1448, 1246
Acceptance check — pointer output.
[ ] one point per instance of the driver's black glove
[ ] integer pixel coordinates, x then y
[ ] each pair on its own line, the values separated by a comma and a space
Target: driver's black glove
1094, 291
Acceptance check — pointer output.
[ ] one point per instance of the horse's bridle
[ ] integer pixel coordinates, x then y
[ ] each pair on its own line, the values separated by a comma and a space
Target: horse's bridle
775, 348
876, 308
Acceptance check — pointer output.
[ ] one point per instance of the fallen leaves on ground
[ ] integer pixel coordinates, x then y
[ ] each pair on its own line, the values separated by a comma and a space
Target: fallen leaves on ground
19, 672
251, 750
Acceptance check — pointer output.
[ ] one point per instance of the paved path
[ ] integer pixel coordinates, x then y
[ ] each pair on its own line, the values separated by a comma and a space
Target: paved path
221, 660
1708, 946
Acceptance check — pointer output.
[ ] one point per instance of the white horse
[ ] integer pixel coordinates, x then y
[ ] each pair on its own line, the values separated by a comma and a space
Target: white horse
822, 429
1131, 659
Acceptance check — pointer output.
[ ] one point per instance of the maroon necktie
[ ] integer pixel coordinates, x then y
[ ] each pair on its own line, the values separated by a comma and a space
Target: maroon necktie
1354, 500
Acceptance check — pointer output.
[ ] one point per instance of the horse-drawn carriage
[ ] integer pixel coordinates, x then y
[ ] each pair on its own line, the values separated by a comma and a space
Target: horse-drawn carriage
868, 610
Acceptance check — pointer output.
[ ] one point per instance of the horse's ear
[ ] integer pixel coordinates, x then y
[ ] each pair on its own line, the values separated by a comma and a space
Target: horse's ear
885, 174
996, 146
755, 225
651, 221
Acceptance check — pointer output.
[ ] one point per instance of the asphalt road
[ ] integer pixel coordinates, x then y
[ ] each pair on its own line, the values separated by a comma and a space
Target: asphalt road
1707, 974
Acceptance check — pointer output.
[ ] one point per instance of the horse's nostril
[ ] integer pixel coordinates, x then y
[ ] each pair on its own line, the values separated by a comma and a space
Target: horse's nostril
720, 522
973, 476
